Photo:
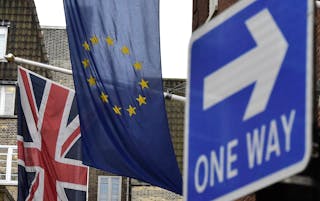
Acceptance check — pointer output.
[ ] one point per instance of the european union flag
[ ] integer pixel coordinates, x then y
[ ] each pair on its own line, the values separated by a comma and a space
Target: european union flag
115, 55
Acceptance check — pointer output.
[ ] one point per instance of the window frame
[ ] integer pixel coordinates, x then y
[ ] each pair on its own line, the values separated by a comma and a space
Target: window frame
3, 84
109, 186
4, 30
9, 154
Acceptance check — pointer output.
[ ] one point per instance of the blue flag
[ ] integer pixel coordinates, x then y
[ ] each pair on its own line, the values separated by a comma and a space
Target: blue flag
115, 55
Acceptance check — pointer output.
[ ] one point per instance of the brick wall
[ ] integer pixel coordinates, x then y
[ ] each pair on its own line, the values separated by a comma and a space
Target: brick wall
5, 195
93, 184
8, 130
175, 114
63, 79
151, 193
13, 191
56, 43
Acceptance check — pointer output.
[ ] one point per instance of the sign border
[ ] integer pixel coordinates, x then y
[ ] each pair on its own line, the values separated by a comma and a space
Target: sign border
285, 172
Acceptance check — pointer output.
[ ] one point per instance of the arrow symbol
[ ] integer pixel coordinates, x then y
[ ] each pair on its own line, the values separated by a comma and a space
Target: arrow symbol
260, 65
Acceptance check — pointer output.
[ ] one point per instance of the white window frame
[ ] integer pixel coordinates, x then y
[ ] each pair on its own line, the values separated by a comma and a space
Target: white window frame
3, 30
109, 186
3, 101
9, 154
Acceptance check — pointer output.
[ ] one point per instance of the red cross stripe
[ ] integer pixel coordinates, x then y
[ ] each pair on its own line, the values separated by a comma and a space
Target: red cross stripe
52, 139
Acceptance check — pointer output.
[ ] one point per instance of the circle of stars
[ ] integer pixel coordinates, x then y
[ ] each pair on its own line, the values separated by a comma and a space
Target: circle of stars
104, 97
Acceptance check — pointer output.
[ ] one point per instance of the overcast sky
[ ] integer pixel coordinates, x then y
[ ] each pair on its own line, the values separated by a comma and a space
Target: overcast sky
175, 31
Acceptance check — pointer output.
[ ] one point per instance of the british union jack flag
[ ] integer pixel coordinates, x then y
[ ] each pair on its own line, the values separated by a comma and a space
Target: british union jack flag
49, 147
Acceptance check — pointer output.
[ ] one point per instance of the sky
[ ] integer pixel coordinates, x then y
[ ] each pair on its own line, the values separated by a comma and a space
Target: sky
175, 31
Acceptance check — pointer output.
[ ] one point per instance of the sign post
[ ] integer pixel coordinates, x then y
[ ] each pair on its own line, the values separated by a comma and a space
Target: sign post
249, 100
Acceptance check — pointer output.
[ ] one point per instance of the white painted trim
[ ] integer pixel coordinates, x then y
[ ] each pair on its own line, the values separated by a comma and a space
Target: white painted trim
3, 97
9, 155
4, 30
109, 186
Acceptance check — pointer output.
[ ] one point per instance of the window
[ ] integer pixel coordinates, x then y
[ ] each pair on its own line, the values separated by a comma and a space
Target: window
8, 165
3, 42
7, 99
109, 188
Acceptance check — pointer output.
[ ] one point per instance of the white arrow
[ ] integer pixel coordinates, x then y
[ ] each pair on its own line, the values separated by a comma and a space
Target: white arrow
260, 65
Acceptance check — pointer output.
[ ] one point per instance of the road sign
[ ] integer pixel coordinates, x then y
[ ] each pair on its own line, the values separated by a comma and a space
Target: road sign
249, 112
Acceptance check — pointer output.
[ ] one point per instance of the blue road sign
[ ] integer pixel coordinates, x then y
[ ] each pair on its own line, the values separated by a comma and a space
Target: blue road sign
248, 119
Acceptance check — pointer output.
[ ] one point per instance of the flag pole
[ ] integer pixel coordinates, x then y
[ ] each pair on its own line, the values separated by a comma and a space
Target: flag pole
11, 58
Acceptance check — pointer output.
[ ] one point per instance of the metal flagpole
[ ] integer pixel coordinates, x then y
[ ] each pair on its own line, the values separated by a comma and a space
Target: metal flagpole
11, 58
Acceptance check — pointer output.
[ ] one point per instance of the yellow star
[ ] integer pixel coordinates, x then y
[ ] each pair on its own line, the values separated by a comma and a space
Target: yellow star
91, 81
116, 110
131, 110
144, 84
137, 65
125, 50
86, 46
109, 41
141, 100
104, 97
94, 40
85, 63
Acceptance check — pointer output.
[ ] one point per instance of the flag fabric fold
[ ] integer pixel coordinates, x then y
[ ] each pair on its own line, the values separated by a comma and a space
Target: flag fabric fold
49, 147
115, 55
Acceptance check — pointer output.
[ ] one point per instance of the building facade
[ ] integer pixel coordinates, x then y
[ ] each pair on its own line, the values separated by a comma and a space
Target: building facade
20, 34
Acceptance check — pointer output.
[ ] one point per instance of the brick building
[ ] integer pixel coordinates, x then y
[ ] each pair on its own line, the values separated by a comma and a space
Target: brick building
20, 34
23, 37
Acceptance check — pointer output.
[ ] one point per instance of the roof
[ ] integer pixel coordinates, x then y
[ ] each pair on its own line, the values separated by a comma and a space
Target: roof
25, 39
